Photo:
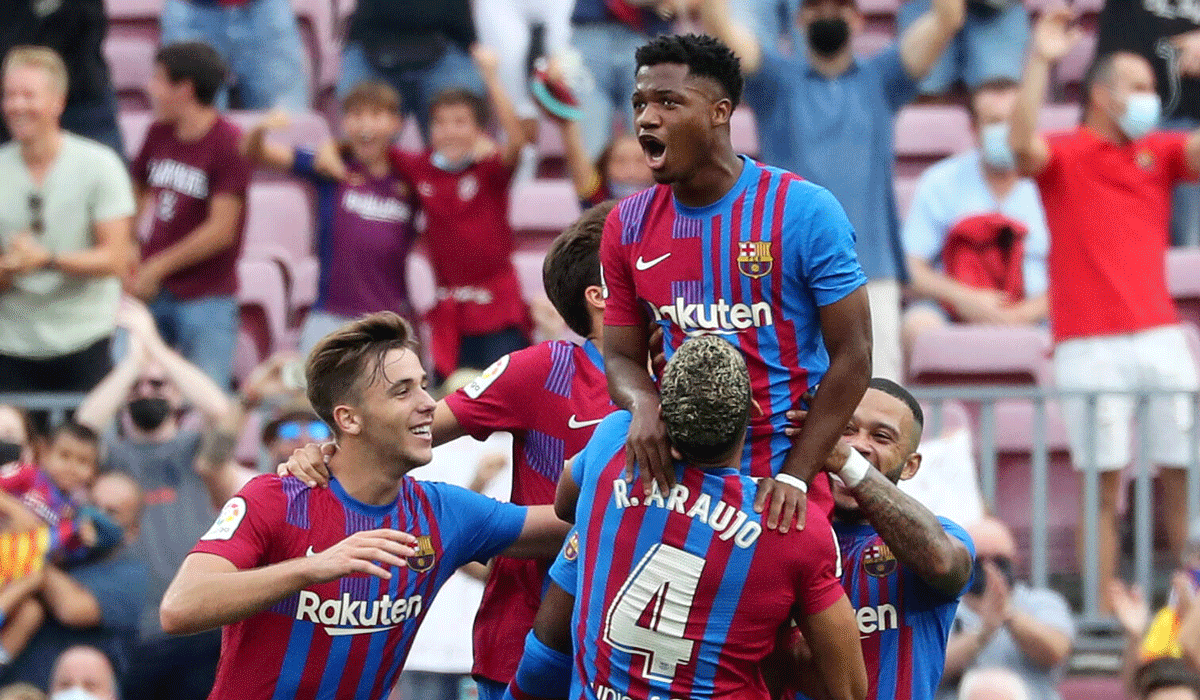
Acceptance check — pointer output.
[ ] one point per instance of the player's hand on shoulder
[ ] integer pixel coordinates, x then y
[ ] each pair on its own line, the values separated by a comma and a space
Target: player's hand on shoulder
368, 552
647, 452
309, 464
783, 504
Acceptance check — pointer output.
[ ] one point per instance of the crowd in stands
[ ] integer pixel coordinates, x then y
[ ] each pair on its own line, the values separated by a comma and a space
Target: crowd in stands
304, 162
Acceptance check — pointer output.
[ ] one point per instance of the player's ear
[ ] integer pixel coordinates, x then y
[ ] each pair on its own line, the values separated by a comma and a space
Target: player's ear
594, 295
348, 420
722, 110
911, 466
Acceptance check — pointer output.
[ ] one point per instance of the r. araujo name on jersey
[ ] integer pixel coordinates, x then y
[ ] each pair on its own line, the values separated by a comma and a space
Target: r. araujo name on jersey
727, 521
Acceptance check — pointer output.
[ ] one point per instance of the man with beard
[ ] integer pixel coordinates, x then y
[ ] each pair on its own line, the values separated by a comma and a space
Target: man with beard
904, 568
829, 117
183, 485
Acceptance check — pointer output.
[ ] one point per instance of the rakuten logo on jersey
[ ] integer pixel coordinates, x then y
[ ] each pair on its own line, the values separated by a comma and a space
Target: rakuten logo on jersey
718, 318
344, 616
877, 619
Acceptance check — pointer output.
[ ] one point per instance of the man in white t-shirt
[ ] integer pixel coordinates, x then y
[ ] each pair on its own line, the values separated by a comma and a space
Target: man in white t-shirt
977, 182
65, 235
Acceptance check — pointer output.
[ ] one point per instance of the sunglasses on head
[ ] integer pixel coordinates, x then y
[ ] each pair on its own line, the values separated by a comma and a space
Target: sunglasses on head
291, 430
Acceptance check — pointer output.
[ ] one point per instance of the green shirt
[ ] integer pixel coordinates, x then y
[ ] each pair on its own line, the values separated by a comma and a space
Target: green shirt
47, 313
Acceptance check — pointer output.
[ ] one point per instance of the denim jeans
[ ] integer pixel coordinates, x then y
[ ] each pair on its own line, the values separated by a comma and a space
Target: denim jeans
261, 42
988, 46
204, 330
608, 51
417, 86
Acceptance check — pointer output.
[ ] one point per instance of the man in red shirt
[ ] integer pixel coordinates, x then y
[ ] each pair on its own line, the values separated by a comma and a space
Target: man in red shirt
1106, 189
190, 171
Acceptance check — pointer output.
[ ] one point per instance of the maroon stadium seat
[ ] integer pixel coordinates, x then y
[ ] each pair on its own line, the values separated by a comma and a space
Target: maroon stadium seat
973, 354
953, 416
131, 60
879, 7
1092, 688
307, 129
262, 300
928, 133
528, 264
279, 226
306, 274
543, 206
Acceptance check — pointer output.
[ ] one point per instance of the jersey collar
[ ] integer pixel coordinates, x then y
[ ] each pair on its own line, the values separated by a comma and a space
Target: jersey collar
356, 505
594, 354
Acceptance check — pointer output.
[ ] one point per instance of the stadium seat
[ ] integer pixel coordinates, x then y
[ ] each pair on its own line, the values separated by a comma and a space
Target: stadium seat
1059, 117
927, 133
1183, 279
306, 274
744, 132
543, 206
973, 354
316, 22
1092, 688
905, 187
131, 60
134, 125
422, 289
307, 129
528, 264
262, 301
279, 226
245, 352
952, 416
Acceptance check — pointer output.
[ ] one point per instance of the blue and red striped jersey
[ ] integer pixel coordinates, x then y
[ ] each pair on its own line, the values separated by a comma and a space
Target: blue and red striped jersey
346, 638
550, 397
903, 621
680, 595
753, 267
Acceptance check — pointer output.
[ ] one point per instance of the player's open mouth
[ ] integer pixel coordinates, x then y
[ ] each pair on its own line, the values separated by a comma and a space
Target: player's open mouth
654, 149
424, 431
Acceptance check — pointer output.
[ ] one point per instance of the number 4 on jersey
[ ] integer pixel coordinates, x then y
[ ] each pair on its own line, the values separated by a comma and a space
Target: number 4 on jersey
650, 613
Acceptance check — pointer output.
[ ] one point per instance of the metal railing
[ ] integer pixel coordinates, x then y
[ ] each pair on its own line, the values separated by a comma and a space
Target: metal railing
986, 398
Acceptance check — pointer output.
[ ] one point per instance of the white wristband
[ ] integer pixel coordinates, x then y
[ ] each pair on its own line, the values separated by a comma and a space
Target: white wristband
855, 470
792, 481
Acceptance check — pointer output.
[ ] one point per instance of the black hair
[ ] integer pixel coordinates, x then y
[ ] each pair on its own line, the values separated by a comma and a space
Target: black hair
1163, 673
462, 96
893, 389
197, 62
702, 54
573, 264
79, 431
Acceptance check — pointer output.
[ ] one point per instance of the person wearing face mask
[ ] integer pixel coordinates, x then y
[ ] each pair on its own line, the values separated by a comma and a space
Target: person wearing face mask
829, 117
139, 406
1004, 622
977, 188
366, 222
1106, 190
83, 673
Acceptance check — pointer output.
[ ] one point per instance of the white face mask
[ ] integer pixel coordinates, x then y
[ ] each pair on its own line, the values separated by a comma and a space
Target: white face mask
1141, 115
993, 147
74, 693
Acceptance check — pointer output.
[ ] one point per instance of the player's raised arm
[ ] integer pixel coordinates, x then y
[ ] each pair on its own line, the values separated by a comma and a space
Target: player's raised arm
1053, 37
210, 591
541, 537
833, 637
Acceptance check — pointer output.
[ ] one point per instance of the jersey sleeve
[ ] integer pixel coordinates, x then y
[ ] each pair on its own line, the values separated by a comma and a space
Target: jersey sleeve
820, 585
621, 307
304, 165
565, 569
607, 440
956, 531
243, 530
1171, 147
823, 242
16, 478
473, 526
502, 397
139, 169
231, 171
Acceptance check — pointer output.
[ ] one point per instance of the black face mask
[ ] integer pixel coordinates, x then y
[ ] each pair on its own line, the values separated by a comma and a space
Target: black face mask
9, 452
1004, 564
828, 36
149, 413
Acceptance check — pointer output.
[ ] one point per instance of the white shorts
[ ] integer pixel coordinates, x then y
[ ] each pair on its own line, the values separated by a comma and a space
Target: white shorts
1158, 358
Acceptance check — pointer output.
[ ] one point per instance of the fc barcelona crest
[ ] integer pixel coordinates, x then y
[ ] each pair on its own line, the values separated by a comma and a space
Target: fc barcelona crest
754, 258
878, 560
571, 548
423, 560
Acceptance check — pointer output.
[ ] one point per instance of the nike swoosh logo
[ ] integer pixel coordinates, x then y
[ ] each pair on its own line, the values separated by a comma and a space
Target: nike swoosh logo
347, 631
647, 264
309, 552
572, 422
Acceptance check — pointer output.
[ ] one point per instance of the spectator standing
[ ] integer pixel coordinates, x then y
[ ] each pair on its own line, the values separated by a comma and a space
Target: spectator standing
992, 684
366, 222
822, 108
86, 669
991, 44
258, 39
506, 27
607, 34
1168, 36
419, 47
65, 230
980, 192
1004, 622
185, 479
191, 173
76, 31
97, 604
1106, 190
463, 187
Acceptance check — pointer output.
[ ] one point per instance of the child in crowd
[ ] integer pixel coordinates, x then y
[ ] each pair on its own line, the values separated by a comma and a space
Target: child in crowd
365, 221
77, 532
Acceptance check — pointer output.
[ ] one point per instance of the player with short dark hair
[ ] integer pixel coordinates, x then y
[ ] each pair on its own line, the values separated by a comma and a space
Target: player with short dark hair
681, 593
321, 591
727, 246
